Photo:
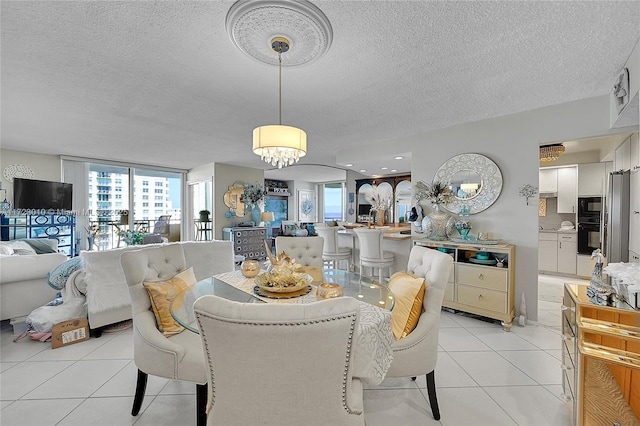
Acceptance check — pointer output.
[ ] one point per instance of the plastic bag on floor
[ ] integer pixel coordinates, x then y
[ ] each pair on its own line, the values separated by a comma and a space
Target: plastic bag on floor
41, 320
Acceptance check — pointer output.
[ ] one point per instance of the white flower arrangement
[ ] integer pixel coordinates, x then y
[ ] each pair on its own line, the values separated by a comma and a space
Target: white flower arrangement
436, 192
380, 198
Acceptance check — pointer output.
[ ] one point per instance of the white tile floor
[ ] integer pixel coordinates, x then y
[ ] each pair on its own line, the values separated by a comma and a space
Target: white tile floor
484, 376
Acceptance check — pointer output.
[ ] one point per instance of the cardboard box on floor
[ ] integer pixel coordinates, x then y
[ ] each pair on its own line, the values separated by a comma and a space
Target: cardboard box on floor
69, 332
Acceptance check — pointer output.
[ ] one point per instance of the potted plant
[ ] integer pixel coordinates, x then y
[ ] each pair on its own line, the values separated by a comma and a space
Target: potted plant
204, 215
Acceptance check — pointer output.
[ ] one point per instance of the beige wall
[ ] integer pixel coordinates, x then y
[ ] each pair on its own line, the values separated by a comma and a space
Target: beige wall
512, 142
225, 175
45, 167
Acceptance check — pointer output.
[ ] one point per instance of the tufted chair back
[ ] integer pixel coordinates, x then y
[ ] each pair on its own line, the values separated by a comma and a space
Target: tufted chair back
417, 353
176, 357
307, 251
304, 354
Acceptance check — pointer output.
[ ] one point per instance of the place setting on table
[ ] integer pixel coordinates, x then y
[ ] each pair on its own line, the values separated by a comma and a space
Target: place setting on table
285, 281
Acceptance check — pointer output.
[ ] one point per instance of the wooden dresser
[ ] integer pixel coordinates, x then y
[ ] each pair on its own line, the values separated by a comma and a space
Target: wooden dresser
482, 289
600, 360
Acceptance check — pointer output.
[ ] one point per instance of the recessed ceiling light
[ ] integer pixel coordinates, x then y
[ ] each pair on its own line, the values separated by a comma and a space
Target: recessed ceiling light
394, 170
362, 170
349, 165
399, 157
384, 168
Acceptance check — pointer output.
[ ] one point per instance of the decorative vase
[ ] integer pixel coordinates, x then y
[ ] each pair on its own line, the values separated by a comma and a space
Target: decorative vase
438, 225
250, 268
463, 225
256, 214
380, 217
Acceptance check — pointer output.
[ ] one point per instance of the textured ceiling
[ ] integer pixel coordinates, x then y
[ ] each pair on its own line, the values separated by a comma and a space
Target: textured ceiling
162, 83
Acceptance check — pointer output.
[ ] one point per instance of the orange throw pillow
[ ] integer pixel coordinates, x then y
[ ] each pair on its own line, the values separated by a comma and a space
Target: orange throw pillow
162, 294
408, 291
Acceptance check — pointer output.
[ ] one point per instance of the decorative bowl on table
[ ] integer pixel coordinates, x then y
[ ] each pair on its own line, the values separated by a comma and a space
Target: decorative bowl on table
329, 291
277, 283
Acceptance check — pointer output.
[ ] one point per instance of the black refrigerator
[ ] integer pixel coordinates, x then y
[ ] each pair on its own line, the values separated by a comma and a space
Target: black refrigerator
617, 217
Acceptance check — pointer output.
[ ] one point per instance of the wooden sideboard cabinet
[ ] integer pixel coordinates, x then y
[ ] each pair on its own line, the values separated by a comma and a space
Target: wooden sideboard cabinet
247, 241
481, 289
600, 360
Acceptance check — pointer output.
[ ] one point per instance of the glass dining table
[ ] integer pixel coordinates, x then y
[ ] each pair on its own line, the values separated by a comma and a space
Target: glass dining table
373, 342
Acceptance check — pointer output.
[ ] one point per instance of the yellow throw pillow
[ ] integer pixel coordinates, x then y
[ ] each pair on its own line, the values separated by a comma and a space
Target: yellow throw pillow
162, 294
408, 291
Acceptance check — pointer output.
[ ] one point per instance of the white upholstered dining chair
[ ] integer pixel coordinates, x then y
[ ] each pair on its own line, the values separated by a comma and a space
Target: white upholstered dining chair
371, 253
307, 251
331, 251
417, 353
179, 356
280, 364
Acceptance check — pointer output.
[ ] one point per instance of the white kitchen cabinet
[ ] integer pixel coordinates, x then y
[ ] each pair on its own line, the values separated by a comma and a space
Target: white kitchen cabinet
548, 180
567, 253
634, 150
634, 214
623, 156
567, 189
548, 251
558, 252
591, 179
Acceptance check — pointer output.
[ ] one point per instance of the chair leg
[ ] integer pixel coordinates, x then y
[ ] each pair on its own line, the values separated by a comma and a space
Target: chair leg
141, 387
433, 399
201, 405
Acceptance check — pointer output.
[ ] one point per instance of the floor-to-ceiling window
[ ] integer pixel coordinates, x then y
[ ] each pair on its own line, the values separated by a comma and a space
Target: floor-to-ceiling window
333, 201
123, 200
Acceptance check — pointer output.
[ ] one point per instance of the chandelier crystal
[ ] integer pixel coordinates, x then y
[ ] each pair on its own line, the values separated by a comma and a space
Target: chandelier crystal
551, 152
279, 145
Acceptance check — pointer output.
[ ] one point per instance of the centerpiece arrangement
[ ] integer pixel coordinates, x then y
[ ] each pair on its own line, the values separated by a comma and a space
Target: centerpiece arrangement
438, 225
282, 274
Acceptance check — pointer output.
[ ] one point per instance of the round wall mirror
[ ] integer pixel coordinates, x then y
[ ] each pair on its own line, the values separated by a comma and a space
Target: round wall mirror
466, 184
232, 199
471, 170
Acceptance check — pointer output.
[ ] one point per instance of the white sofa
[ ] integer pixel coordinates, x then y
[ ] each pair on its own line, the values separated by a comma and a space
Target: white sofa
23, 281
102, 279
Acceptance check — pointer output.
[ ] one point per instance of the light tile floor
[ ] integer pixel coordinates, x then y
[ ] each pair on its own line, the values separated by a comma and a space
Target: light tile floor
485, 376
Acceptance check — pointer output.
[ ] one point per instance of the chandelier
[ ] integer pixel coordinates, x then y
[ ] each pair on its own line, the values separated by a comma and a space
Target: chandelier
277, 144
551, 152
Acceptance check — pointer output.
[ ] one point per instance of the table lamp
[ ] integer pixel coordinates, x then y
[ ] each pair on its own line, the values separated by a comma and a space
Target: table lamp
267, 218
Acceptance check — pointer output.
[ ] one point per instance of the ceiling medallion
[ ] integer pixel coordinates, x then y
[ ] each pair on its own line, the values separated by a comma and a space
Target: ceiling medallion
252, 24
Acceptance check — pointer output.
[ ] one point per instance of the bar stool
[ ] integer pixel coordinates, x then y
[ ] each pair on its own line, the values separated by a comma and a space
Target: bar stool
331, 252
371, 253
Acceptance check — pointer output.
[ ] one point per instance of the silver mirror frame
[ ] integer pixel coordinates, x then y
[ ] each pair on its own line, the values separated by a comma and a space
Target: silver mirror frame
483, 166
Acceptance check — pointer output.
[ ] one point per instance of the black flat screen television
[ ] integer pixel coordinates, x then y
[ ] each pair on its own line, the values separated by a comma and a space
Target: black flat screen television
41, 195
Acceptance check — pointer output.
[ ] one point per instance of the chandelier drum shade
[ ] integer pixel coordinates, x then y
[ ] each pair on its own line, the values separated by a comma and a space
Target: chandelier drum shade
279, 145
551, 152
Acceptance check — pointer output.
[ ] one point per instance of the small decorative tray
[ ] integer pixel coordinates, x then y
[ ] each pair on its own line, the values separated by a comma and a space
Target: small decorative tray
475, 241
483, 261
260, 291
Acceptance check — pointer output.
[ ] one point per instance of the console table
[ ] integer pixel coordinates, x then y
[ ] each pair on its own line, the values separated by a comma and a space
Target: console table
481, 289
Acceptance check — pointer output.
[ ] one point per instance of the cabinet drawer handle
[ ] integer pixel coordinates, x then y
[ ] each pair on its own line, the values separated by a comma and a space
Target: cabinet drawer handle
570, 338
636, 212
480, 297
564, 307
480, 276
566, 367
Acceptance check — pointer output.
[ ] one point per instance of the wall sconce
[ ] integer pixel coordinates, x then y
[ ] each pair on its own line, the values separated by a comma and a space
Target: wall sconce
528, 191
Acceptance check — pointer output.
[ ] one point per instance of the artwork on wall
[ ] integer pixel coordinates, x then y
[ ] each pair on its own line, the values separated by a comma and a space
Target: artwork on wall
306, 205
279, 208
